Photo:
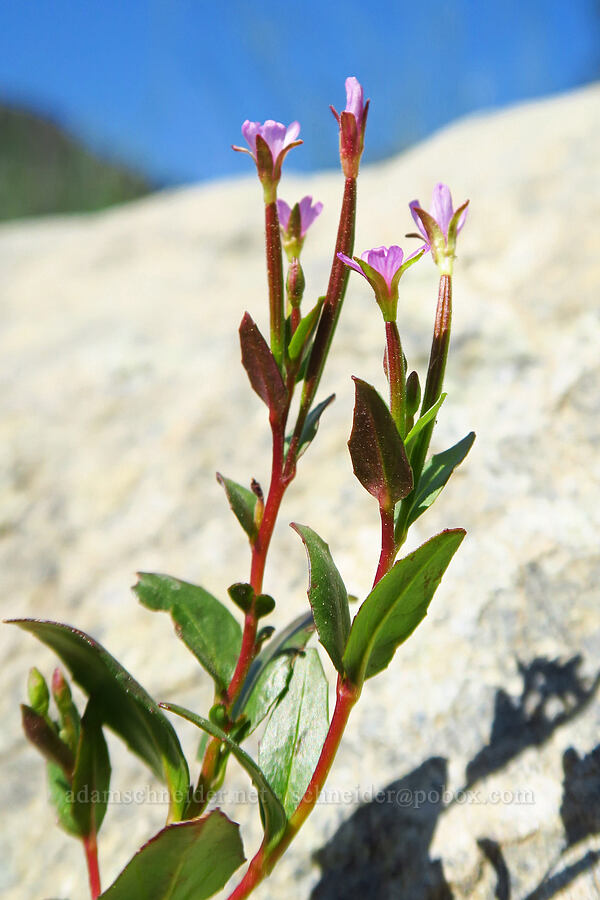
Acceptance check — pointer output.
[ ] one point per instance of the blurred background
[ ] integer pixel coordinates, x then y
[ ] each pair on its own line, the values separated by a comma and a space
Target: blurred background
104, 100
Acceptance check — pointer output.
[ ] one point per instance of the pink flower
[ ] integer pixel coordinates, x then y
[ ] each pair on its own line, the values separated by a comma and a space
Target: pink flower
440, 226
307, 214
268, 145
383, 268
352, 122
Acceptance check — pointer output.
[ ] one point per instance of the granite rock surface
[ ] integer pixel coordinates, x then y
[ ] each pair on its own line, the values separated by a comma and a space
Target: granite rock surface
123, 394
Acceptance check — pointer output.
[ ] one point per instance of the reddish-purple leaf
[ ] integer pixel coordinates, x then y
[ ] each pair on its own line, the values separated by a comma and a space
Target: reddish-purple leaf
262, 369
377, 450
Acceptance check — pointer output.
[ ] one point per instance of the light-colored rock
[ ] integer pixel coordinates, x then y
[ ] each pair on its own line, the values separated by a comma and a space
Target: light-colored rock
122, 396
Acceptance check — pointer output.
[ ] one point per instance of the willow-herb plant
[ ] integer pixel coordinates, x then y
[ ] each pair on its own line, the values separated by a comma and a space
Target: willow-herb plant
260, 674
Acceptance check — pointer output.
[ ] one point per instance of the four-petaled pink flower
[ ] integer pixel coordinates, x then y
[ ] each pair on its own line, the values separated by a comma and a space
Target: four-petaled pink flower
383, 268
268, 145
440, 225
295, 222
352, 122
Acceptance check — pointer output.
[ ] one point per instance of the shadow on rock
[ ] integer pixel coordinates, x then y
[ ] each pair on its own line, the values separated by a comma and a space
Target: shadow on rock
382, 851
553, 694
580, 808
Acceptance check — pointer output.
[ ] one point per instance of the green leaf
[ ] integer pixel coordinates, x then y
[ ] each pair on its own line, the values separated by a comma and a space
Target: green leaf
91, 777
327, 595
205, 626
270, 673
121, 702
262, 369
60, 795
435, 475
376, 448
310, 427
304, 330
425, 419
396, 605
294, 736
242, 502
183, 861
274, 814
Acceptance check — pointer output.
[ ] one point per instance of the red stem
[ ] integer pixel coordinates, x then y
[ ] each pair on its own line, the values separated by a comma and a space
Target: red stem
260, 549
388, 545
91, 857
332, 307
275, 279
396, 377
266, 857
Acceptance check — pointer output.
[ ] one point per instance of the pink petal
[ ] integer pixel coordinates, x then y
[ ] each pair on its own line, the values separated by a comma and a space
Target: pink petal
350, 262
250, 130
384, 260
291, 133
274, 135
284, 212
441, 206
308, 214
354, 99
418, 222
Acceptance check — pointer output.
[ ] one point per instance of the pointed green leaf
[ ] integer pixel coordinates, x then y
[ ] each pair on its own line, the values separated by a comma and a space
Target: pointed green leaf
121, 702
435, 475
327, 595
262, 369
396, 605
304, 330
310, 427
242, 502
91, 777
378, 455
425, 419
271, 671
274, 814
183, 861
205, 626
294, 736
60, 795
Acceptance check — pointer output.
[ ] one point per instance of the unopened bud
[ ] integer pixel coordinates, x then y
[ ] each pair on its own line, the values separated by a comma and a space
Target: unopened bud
413, 393
295, 283
38, 693
69, 717
263, 605
218, 715
242, 595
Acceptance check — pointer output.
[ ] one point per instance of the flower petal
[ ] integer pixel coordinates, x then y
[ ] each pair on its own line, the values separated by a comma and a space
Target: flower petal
250, 130
414, 205
351, 263
441, 206
308, 213
283, 211
354, 99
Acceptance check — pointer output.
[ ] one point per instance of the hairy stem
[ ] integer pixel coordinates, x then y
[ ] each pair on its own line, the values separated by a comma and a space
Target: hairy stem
396, 377
275, 280
433, 389
388, 544
330, 314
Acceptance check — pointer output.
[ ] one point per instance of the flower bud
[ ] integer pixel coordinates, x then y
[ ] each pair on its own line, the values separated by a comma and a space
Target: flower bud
69, 717
38, 693
295, 283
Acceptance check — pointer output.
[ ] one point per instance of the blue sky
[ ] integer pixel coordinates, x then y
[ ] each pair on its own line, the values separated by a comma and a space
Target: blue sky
165, 84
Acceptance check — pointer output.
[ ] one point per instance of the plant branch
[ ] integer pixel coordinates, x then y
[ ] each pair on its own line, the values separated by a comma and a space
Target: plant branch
332, 307
263, 862
275, 280
90, 846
